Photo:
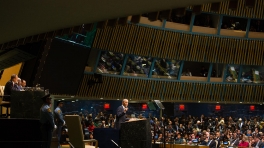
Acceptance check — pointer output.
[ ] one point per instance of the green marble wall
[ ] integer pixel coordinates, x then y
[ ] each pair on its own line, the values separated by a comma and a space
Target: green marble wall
26, 104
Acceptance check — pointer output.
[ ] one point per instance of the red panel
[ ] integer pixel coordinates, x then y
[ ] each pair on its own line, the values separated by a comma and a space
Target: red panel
181, 107
106, 106
252, 107
144, 106
217, 107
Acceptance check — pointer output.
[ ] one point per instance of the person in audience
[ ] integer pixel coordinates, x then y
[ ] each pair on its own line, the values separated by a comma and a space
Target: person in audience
258, 141
258, 26
178, 139
188, 73
121, 114
10, 86
243, 142
91, 127
203, 72
64, 137
208, 22
59, 121
47, 121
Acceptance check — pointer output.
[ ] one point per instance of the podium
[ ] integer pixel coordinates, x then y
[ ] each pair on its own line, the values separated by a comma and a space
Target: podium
135, 134
26, 104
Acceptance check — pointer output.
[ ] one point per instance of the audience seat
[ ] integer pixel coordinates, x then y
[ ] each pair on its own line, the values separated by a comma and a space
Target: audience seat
4, 103
75, 133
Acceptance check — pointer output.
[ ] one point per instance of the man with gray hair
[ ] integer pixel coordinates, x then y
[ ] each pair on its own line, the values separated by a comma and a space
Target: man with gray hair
121, 114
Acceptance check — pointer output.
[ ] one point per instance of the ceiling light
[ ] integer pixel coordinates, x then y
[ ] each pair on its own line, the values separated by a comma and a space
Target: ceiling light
240, 102
101, 98
199, 101
73, 101
62, 99
217, 102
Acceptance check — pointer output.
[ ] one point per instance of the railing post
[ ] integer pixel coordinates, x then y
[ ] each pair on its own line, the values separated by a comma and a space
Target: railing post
152, 67
164, 23
239, 74
248, 27
219, 24
124, 65
192, 22
209, 72
180, 71
225, 71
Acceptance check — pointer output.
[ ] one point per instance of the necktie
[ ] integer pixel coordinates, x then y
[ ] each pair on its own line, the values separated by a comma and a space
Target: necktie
257, 145
209, 143
233, 143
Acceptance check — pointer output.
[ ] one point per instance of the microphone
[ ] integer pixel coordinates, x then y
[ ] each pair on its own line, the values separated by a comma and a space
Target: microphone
115, 143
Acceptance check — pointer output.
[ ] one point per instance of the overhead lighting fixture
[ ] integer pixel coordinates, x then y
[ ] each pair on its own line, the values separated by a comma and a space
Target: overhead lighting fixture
62, 99
117, 99
240, 102
77, 100
73, 101
217, 102
101, 98
199, 101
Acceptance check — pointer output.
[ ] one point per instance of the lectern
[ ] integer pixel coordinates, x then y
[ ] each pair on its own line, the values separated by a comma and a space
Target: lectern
135, 134
26, 104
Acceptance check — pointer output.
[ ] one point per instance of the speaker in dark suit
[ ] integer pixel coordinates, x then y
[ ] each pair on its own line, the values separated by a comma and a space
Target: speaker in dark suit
121, 114
10, 86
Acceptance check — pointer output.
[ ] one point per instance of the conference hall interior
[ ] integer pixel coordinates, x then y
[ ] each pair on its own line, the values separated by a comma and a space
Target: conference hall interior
141, 74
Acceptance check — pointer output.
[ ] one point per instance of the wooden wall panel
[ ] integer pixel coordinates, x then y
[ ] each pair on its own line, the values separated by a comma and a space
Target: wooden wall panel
174, 91
146, 41
241, 11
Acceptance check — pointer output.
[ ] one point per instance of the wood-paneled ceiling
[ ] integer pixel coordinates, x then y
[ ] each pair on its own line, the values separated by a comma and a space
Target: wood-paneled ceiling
21, 19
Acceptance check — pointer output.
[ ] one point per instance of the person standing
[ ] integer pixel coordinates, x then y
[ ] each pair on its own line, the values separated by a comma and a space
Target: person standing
59, 121
9, 87
47, 121
121, 114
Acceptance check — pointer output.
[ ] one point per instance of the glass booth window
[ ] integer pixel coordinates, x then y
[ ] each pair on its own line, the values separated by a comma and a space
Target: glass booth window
165, 68
138, 66
252, 74
206, 20
195, 71
234, 23
217, 72
256, 26
232, 73
110, 62
184, 18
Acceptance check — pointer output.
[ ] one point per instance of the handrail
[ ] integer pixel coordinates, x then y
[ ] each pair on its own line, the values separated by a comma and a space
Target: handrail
71, 144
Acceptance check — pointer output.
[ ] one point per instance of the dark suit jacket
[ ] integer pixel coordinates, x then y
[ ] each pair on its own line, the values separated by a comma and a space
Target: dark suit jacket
212, 144
9, 87
120, 117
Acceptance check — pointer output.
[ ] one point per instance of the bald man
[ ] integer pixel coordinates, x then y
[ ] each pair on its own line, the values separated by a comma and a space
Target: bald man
121, 114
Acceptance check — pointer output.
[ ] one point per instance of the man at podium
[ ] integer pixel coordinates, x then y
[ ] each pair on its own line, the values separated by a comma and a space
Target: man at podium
121, 114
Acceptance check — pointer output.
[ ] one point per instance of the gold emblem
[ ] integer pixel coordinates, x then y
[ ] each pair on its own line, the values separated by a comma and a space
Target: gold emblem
49, 110
59, 111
